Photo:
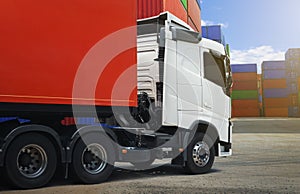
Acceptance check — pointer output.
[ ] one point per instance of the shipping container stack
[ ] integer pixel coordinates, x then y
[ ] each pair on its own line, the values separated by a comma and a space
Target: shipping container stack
275, 89
245, 99
260, 92
188, 11
292, 63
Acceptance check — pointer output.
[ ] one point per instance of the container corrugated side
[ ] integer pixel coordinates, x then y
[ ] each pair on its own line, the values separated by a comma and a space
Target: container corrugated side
274, 83
244, 76
244, 85
214, 32
276, 102
244, 94
243, 68
191, 23
276, 112
273, 65
274, 74
276, 93
236, 104
292, 53
194, 13
150, 8
246, 112
175, 7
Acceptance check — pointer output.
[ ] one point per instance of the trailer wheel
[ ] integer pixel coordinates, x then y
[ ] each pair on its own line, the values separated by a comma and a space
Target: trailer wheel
31, 161
93, 159
200, 154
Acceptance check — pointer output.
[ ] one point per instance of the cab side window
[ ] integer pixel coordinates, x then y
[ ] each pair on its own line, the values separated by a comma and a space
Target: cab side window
214, 69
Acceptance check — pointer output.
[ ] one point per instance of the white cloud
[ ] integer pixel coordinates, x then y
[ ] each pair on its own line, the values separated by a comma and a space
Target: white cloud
210, 23
256, 55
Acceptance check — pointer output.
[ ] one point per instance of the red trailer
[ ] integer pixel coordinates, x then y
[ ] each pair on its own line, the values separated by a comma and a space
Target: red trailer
44, 45
53, 55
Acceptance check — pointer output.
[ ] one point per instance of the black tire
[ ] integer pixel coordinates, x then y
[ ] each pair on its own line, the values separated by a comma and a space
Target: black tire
35, 151
199, 159
81, 155
142, 165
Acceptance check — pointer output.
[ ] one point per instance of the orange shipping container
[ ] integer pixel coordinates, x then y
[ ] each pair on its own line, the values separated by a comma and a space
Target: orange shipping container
276, 112
244, 85
194, 13
274, 83
244, 76
246, 112
276, 102
239, 104
149, 8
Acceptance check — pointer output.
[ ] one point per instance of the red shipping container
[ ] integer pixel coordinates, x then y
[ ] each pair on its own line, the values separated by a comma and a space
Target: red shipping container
245, 85
238, 104
149, 8
194, 13
276, 112
274, 83
246, 112
276, 102
244, 76
191, 23
48, 46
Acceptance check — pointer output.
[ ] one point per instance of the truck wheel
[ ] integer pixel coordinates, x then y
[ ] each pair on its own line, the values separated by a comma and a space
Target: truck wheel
93, 159
142, 165
30, 161
200, 154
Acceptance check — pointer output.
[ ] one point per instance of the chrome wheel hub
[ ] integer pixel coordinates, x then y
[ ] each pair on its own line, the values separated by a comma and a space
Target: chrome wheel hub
94, 158
201, 154
32, 161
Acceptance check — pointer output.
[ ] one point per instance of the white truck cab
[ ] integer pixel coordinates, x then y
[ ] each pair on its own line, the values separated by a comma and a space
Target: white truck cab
188, 77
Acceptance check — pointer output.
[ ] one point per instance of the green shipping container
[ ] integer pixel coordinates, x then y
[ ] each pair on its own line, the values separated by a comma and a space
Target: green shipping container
244, 94
184, 3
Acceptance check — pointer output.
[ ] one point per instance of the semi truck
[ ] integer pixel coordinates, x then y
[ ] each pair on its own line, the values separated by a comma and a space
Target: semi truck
85, 85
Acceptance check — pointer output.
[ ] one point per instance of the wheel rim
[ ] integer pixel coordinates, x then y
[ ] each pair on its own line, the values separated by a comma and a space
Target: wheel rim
201, 154
94, 158
32, 161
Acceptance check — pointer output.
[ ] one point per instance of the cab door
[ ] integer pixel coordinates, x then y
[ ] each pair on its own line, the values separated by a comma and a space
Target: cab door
216, 102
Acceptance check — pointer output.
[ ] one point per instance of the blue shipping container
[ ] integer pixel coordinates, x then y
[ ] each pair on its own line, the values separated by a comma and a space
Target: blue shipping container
274, 74
214, 33
276, 93
243, 68
272, 65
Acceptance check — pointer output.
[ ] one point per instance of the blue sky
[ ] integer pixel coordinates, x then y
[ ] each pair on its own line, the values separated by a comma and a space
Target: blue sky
256, 30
